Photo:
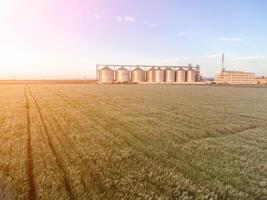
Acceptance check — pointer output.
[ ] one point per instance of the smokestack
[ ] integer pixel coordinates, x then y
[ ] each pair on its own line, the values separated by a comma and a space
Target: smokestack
223, 69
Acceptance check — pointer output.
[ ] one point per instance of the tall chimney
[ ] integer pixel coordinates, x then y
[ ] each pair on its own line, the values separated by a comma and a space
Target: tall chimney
223, 68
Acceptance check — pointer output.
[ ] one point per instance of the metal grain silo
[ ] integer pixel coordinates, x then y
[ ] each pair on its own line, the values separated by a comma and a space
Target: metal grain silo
150, 75
106, 75
122, 75
138, 75
180, 75
169, 75
198, 78
191, 75
159, 75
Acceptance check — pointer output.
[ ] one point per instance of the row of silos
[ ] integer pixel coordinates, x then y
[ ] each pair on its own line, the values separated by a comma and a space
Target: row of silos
169, 75
153, 75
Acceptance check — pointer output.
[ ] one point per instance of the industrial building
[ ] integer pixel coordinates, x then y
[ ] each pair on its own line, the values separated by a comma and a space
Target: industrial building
148, 74
261, 80
234, 77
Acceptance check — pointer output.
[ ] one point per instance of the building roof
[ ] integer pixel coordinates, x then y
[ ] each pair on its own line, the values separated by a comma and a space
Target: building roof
106, 68
238, 72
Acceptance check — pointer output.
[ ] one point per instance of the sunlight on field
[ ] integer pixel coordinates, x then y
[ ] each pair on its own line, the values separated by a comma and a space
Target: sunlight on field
81, 141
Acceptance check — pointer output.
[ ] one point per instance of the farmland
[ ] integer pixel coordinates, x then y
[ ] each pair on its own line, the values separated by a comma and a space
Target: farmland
87, 141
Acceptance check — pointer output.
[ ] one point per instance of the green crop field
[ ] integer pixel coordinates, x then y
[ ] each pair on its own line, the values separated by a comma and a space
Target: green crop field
87, 141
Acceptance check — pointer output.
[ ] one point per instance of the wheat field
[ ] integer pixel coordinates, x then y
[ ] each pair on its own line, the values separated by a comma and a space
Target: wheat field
87, 141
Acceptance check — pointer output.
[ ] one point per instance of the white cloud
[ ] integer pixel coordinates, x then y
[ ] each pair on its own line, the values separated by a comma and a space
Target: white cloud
231, 39
119, 18
97, 16
148, 24
129, 19
183, 33
126, 19
132, 20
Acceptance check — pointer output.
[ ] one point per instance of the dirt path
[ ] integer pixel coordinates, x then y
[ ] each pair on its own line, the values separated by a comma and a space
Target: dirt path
32, 187
59, 160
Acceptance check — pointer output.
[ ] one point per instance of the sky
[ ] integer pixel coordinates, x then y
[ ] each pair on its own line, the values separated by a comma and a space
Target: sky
65, 39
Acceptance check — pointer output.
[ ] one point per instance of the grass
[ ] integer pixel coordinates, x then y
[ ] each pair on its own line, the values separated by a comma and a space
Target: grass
86, 141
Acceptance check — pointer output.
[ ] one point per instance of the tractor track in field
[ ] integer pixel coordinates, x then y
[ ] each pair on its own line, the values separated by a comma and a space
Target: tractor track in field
59, 160
79, 107
70, 102
71, 145
32, 188
75, 105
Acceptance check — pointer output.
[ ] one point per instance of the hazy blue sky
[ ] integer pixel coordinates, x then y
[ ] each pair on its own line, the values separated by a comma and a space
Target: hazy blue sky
65, 39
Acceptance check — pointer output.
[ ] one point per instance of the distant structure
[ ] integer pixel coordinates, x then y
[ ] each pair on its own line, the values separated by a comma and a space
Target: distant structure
223, 68
147, 74
234, 77
261, 80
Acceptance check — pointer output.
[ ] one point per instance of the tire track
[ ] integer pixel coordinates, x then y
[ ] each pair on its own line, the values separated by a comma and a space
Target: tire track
59, 160
79, 107
210, 175
96, 116
96, 186
32, 187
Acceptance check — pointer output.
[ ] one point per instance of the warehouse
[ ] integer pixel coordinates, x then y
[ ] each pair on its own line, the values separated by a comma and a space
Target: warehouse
236, 77
148, 74
261, 80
